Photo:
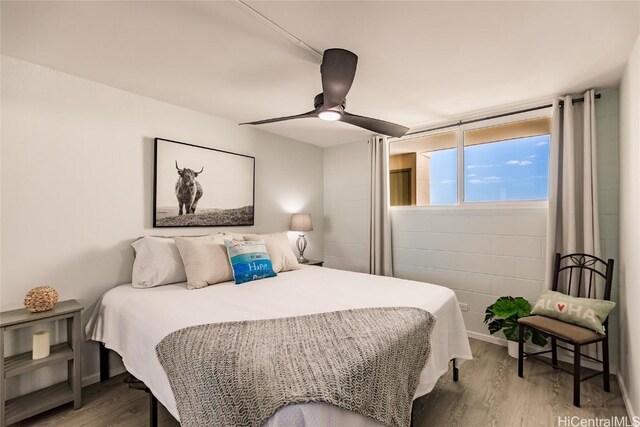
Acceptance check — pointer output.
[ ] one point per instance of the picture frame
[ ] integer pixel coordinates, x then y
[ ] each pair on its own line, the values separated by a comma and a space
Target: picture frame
197, 186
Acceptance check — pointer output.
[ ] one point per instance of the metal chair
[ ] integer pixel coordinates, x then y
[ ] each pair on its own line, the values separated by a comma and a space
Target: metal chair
575, 268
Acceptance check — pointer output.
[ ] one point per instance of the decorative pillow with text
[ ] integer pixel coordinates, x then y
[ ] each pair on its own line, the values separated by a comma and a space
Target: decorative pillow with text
249, 260
589, 313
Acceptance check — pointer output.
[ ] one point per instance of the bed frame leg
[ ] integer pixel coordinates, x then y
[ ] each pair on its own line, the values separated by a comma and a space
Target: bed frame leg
455, 371
104, 363
411, 421
153, 410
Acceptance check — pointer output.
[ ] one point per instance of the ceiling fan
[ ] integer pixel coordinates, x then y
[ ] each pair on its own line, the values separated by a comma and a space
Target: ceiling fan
338, 70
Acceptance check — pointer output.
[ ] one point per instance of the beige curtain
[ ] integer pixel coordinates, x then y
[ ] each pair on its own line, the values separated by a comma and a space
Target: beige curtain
572, 224
380, 262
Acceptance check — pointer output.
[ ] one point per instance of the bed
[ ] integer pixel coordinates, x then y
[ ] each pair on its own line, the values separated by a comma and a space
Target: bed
133, 321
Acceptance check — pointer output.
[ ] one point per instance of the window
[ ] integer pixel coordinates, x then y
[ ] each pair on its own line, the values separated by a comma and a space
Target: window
430, 165
507, 162
500, 161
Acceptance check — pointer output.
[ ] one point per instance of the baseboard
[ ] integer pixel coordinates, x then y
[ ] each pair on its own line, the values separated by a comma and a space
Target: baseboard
95, 378
487, 338
562, 357
625, 397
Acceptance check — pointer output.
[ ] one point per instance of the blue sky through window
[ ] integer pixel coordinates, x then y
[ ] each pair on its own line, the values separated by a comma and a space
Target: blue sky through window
515, 169
443, 177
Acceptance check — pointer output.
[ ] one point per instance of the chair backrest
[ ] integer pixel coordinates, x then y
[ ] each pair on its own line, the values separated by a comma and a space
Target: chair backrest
578, 274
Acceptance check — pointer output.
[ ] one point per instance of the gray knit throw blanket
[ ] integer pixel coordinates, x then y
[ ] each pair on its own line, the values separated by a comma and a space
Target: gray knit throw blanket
240, 373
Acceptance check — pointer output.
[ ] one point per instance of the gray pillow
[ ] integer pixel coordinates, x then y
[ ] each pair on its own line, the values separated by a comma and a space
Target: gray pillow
157, 263
279, 248
205, 260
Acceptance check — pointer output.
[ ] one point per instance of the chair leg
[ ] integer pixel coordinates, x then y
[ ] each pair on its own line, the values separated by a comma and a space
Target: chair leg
605, 365
554, 352
576, 375
521, 350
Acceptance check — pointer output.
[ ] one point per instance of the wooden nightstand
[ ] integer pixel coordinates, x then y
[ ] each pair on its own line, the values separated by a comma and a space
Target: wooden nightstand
22, 407
314, 262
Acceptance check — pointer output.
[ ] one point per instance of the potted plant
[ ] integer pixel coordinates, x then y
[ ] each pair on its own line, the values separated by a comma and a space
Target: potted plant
503, 316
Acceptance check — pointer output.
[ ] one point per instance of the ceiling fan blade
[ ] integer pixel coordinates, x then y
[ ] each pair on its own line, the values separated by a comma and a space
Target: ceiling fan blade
374, 125
313, 113
338, 70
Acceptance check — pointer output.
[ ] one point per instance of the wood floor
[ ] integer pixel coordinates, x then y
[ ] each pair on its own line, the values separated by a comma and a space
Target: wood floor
489, 393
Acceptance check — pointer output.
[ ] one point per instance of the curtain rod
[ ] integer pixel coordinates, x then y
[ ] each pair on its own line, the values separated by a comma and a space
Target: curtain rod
511, 113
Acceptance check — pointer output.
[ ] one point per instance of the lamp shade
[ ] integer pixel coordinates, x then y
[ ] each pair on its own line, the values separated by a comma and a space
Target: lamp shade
301, 222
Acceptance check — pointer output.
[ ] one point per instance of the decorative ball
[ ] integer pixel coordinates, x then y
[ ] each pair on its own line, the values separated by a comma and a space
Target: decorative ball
42, 298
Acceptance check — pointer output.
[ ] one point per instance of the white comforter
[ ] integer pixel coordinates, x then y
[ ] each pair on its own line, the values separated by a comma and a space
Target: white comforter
133, 321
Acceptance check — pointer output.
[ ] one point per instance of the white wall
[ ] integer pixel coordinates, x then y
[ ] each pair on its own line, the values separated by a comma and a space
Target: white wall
346, 206
607, 135
629, 256
77, 175
480, 253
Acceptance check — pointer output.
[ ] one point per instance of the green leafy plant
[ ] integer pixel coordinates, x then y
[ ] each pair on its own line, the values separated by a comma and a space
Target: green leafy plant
503, 316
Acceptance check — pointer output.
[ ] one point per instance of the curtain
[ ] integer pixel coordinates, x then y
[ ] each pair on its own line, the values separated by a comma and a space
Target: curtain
572, 222
380, 262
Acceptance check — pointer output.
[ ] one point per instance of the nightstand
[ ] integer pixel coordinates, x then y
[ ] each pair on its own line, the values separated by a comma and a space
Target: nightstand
314, 262
22, 407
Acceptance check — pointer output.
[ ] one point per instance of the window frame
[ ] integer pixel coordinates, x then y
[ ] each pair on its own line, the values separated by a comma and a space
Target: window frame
461, 204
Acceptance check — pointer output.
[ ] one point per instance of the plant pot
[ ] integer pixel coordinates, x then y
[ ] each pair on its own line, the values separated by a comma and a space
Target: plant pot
513, 348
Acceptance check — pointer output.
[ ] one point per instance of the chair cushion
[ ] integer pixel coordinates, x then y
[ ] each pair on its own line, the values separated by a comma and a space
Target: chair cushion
566, 331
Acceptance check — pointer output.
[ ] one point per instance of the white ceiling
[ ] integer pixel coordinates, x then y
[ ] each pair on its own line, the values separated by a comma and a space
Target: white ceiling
419, 62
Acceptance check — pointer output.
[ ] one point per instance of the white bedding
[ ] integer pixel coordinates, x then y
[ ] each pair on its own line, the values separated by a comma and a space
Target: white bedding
133, 321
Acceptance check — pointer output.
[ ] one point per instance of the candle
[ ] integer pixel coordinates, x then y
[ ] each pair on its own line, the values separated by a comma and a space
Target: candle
40, 345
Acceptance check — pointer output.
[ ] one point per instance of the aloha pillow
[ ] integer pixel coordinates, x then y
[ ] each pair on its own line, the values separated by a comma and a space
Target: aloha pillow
586, 312
279, 249
249, 260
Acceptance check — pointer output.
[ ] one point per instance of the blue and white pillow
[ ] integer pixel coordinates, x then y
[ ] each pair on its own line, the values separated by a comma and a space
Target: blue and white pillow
249, 260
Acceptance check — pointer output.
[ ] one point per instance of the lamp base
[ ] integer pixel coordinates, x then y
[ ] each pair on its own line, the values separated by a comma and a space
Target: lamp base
302, 245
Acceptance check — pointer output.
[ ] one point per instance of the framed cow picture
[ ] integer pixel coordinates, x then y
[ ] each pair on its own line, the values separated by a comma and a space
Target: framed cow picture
196, 186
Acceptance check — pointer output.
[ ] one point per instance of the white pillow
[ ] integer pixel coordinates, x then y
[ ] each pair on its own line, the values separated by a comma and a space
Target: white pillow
205, 260
157, 262
233, 236
279, 248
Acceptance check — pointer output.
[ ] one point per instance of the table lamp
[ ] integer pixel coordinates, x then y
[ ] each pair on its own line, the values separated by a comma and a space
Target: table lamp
300, 223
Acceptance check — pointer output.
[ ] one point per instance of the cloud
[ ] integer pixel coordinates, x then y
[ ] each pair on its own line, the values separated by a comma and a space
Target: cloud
533, 156
478, 166
538, 144
518, 162
485, 180
447, 181
492, 179
471, 174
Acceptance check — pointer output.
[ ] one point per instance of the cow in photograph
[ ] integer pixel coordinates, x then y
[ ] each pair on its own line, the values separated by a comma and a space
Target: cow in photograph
188, 190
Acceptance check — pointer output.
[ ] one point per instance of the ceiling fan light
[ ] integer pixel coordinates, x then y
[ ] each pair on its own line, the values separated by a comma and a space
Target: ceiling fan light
329, 115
